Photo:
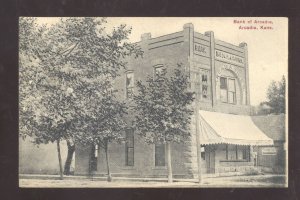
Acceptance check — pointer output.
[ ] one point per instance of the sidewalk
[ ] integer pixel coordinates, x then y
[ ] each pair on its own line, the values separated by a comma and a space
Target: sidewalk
42, 181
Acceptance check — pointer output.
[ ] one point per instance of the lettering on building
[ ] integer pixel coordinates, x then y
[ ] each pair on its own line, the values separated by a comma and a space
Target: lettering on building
223, 56
201, 50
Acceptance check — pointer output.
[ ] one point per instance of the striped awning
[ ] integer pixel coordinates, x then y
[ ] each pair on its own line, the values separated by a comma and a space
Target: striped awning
221, 128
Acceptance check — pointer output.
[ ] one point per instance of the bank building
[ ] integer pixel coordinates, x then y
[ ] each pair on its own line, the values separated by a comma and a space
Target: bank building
219, 74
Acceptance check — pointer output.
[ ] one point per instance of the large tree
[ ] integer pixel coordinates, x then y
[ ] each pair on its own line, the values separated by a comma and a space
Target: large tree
163, 110
78, 59
104, 121
276, 96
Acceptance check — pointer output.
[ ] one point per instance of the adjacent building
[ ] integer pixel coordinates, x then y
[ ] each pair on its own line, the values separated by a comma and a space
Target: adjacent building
219, 74
272, 158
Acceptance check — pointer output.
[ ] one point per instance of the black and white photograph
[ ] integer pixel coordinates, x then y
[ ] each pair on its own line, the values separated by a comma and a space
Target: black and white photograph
153, 102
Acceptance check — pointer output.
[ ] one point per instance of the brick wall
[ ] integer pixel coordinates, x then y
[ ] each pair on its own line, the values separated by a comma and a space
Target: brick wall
144, 164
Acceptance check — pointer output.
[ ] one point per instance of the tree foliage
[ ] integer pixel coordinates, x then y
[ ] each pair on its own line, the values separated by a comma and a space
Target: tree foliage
163, 110
66, 72
276, 96
162, 106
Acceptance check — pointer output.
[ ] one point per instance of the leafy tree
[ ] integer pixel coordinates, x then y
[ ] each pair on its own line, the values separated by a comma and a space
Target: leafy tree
104, 122
78, 59
32, 123
276, 96
163, 111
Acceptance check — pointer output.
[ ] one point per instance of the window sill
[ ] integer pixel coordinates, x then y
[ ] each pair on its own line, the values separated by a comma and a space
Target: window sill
226, 103
234, 161
160, 168
129, 167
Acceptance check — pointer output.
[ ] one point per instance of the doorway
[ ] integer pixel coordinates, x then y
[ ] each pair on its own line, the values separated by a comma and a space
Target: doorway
210, 161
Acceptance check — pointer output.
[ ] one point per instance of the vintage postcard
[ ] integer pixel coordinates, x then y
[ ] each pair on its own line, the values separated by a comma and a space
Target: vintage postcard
153, 102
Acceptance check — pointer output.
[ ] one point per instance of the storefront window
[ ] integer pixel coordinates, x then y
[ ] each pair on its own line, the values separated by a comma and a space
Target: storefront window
237, 152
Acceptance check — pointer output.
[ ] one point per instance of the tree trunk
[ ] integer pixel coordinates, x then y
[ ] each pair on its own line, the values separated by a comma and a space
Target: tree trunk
71, 150
59, 160
109, 178
170, 173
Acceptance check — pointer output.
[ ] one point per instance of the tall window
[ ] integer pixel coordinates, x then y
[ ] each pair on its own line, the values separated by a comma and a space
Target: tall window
160, 155
129, 148
202, 85
93, 158
129, 84
228, 92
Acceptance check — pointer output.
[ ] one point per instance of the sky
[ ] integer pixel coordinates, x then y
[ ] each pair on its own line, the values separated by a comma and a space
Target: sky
267, 48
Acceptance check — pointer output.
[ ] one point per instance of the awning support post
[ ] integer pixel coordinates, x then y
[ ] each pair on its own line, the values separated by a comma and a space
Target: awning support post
198, 142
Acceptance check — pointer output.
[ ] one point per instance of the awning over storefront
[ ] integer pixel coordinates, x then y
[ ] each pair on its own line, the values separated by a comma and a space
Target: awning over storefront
221, 128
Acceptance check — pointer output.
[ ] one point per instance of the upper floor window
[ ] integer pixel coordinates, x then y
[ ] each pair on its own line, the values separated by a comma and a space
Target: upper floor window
129, 84
228, 91
129, 148
159, 71
202, 84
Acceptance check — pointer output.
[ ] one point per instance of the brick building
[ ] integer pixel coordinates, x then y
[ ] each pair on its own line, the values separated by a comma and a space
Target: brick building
219, 75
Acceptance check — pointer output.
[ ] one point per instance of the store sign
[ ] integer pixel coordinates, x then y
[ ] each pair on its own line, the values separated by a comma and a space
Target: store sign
201, 50
269, 151
223, 56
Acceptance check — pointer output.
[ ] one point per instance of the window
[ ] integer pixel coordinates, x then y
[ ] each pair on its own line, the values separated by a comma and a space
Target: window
227, 90
203, 153
246, 153
235, 152
129, 148
93, 158
160, 155
129, 84
231, 91
201, 81
204, 86
231, 152
159, 71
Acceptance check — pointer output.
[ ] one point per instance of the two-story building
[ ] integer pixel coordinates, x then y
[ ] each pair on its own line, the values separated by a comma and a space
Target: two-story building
219, 74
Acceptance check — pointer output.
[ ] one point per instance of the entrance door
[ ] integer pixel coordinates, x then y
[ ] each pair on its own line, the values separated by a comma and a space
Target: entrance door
210, 161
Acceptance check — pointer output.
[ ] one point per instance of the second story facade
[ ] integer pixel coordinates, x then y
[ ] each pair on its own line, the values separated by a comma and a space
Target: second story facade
218, 70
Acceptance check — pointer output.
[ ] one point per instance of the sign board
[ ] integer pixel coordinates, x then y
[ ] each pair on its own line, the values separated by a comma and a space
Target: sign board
269, 151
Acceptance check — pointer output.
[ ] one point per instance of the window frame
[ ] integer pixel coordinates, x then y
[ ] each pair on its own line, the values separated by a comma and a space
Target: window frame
201, 80
227, 79
245, 153
127, 147
164, 155
127, 87
160, 66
